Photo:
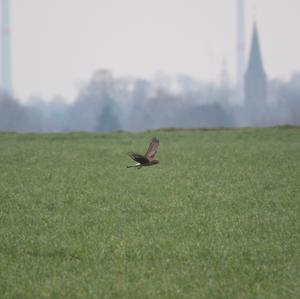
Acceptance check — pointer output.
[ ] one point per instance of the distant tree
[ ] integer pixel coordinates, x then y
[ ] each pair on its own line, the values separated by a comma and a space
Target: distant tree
108, 120
94, 101
13, 116
284, 102
108, 103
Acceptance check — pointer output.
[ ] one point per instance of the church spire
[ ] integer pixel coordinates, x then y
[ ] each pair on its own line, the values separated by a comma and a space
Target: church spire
255, 61
255, 83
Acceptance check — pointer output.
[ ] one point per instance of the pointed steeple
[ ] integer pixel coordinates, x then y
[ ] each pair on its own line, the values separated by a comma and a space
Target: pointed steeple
255, 61
255, 86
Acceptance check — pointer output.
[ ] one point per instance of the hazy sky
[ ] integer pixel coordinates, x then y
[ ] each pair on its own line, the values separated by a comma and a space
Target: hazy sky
58, 44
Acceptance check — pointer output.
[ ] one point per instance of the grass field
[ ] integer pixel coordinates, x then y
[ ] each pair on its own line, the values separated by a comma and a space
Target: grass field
219, 217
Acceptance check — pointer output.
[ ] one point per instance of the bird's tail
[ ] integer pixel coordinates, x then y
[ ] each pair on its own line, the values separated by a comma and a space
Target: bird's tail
137, 165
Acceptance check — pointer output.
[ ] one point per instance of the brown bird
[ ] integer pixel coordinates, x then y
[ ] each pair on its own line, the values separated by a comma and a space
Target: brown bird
148, 158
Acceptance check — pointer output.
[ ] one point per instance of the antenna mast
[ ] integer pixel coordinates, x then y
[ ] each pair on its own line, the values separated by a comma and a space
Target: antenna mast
5, 44
240, 50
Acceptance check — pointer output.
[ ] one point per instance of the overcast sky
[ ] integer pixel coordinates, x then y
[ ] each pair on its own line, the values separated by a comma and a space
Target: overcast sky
58, 44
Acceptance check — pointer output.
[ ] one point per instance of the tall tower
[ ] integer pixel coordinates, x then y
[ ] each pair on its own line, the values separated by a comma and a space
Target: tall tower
5, 49
255, 83
240, 50
224, 81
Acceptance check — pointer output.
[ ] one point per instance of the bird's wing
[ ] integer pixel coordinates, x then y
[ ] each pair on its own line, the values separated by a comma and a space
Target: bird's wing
138, 158
152, 149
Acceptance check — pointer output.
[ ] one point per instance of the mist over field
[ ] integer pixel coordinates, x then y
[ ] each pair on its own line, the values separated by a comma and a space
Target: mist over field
109, 103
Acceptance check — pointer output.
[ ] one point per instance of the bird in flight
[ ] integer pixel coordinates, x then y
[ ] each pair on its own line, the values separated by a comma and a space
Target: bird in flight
148, 158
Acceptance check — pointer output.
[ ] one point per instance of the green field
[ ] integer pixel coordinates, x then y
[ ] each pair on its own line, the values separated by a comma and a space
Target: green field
219, 217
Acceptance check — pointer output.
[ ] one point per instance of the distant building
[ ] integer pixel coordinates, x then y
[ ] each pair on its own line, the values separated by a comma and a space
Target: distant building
255, 85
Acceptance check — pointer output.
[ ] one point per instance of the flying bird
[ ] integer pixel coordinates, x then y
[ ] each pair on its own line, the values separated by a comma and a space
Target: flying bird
148, 158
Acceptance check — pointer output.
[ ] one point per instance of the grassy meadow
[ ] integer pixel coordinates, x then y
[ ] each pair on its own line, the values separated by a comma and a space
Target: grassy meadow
219, 217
